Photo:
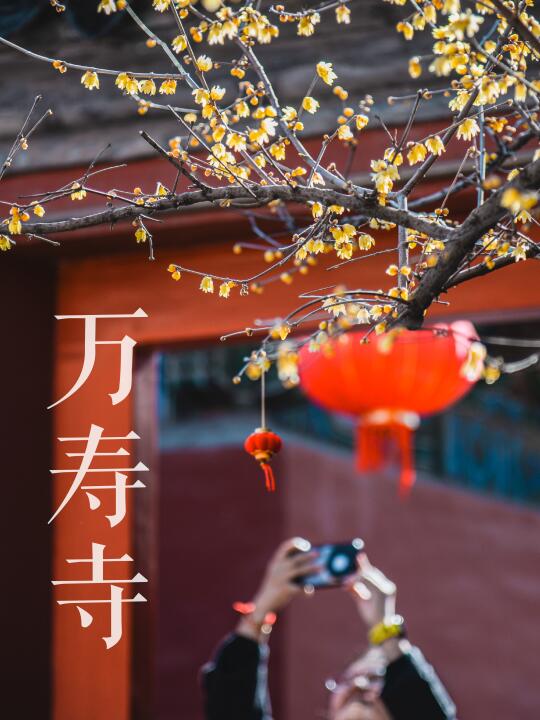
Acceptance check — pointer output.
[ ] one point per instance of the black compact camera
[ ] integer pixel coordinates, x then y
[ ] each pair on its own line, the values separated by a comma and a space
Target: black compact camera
338, 561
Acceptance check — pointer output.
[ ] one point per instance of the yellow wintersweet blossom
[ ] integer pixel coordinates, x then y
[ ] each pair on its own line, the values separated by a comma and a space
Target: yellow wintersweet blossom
343, 14
310, 105
287, 364
519, 252
459, 101
417, 153
60, 66
468, 129
345, 250
242, 109
341, 93
167, 87
175, 272
280, 330
90, 80
18, 216
463, 24
39, 210
289, 114
5, 243
407, 29
236, 142
148, 86
140, 235
143, 107
204, 63
473, 366
524, 217
392, 270
255, 368
491, 374
225, 288
343, 233
317, 210
361, 121
435, 145
362, 316
391, 156
512, 174
316, 246
384, 175
107, 6
344, 133
516, 201
334, 306
78, 193
326, 72
278, 150
161, 5
336, 209
365, 241
126, 82
202, 96
415, 68
207, 284
218, 133
306, 24
264, 132
217, 92
179, 43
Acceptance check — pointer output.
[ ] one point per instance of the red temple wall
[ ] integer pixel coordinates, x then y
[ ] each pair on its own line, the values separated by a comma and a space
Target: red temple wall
465, 565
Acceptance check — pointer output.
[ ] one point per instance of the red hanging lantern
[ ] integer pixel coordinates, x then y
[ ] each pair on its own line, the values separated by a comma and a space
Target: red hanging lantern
389, 383
263, 444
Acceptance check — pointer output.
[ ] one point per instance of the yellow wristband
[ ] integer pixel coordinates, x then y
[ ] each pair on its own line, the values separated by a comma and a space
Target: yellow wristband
391, 627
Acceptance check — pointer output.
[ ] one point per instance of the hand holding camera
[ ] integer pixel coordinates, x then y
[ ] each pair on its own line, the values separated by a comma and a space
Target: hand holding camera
293, 558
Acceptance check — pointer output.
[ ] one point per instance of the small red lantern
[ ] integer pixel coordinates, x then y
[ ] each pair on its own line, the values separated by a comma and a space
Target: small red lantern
389, 383
263, 444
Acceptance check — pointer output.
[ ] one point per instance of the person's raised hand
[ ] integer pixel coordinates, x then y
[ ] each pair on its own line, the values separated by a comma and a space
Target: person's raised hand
374, 594
292, 559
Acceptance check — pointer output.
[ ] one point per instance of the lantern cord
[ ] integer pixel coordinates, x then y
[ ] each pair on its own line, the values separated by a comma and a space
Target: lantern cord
263, 400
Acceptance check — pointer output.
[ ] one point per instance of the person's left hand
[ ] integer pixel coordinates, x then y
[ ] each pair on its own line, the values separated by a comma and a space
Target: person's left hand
278, 587
288, 562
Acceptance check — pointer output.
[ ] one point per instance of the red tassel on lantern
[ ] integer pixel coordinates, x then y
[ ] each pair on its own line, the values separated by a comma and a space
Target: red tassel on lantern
380, 429
262, 445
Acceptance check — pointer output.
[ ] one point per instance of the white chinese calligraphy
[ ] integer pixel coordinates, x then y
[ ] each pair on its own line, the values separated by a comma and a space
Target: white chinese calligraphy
90, 342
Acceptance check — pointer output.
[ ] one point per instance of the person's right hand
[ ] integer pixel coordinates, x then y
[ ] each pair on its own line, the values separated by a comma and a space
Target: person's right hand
373, 593
278, 587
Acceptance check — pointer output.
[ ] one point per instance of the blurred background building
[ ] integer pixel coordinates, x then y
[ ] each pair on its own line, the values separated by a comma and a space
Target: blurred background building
463, 549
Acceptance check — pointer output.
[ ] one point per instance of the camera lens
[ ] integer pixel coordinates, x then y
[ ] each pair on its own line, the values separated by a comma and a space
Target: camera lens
340, 564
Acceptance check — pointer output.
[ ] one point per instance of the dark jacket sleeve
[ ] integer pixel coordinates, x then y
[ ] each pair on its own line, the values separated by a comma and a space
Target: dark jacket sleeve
234, 682
412, 690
